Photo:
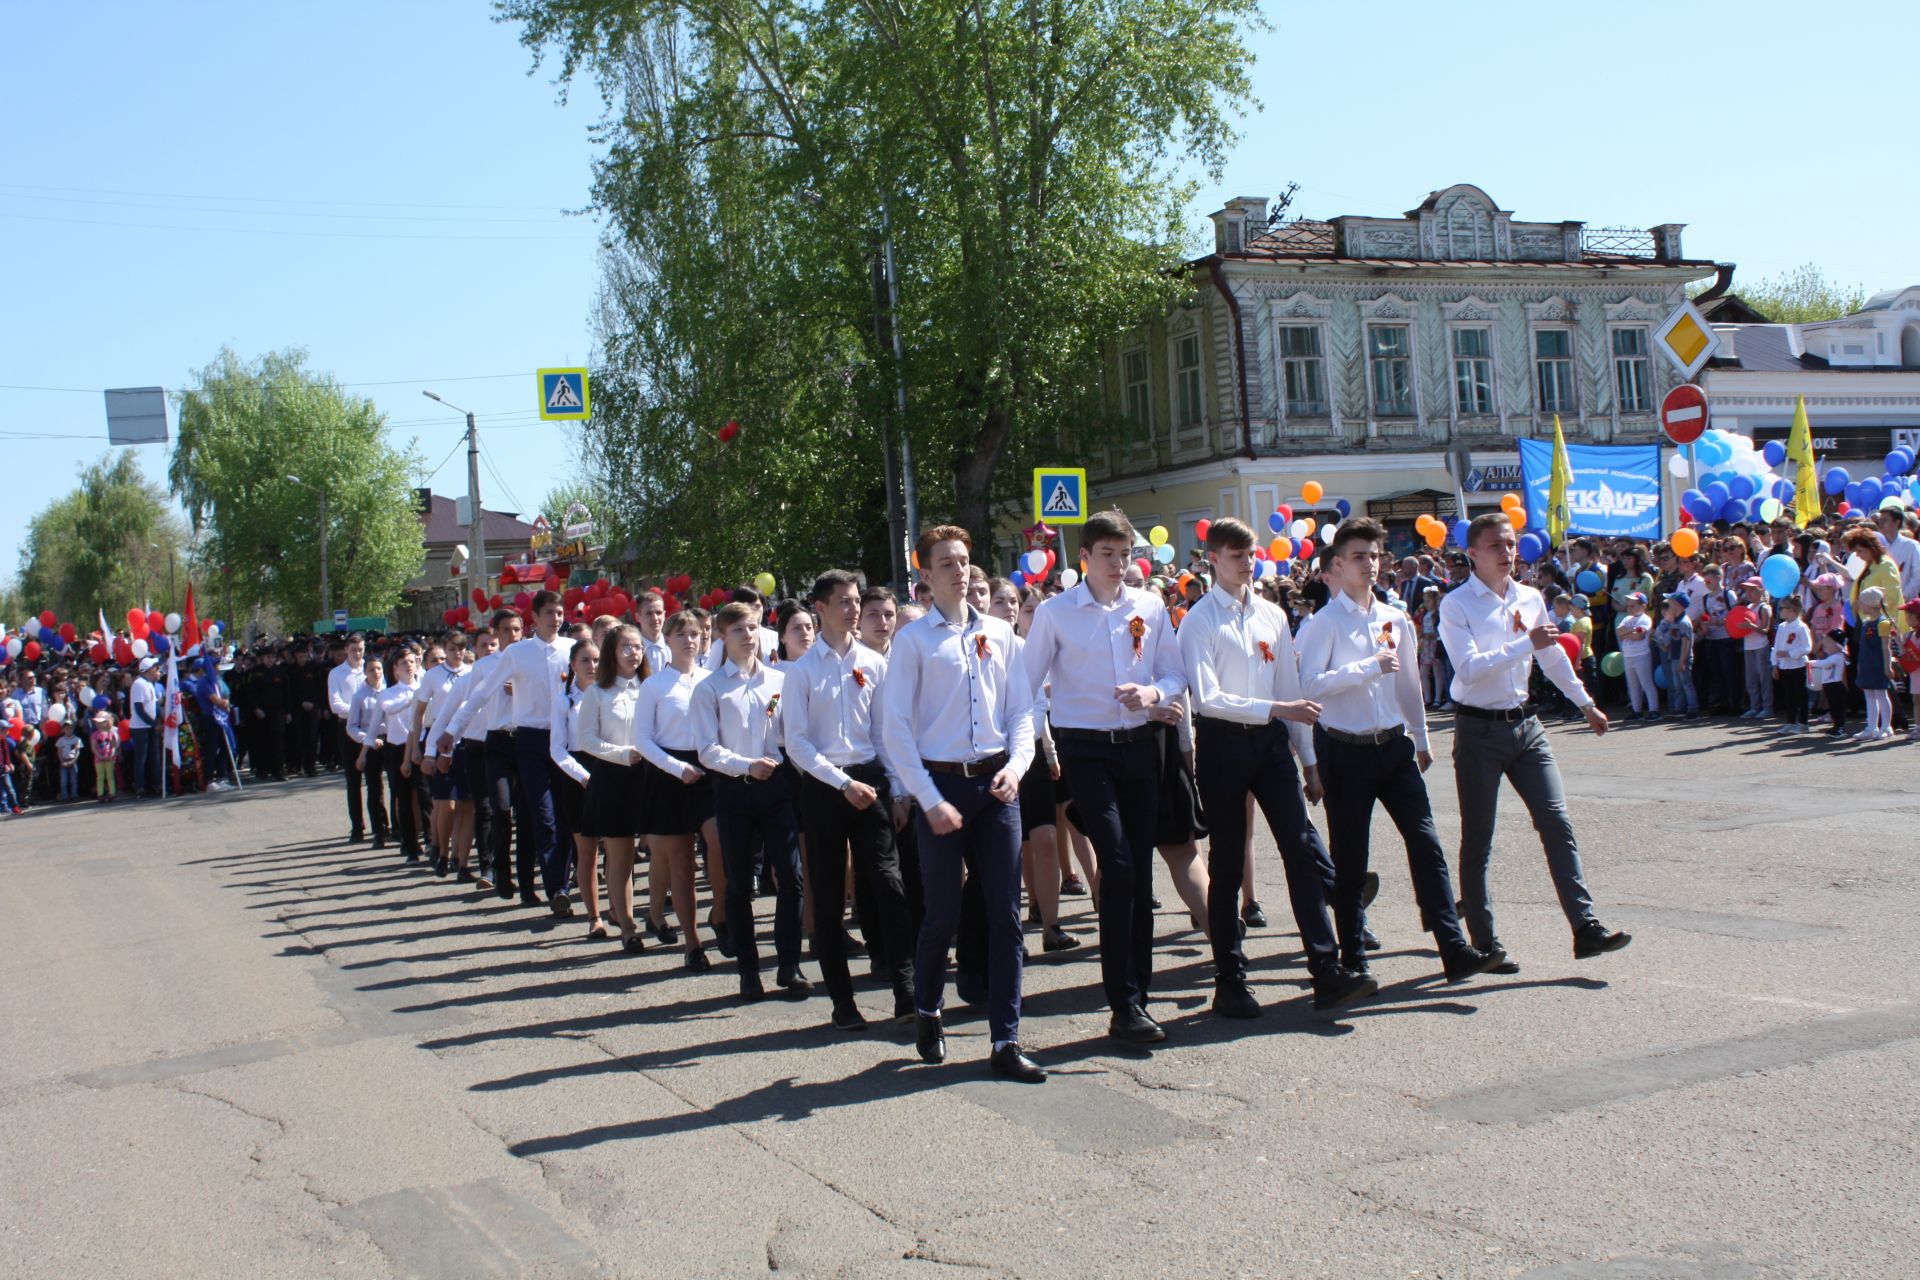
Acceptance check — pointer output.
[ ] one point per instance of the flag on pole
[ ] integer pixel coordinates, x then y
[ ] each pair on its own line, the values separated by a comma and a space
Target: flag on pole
1558, 516
106, 632
1806, 484
190, 624
170, 738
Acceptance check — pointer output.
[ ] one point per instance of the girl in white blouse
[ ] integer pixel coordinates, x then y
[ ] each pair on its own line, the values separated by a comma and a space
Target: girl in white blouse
613, 810
678, 800
570, 789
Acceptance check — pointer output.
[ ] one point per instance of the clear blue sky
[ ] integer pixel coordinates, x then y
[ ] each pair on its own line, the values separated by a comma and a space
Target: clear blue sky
384, 185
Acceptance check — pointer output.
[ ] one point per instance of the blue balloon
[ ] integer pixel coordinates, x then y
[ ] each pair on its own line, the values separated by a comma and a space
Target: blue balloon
1836, 481
1774, 452
1588, 581
1741, 486
1899, 462
1342, 506
101, 702
1460, 526
1017, 578
1780, 574
1275, 522
1718, 495
48, 635
159, 644
1660, 676
1786, 493
1532, 546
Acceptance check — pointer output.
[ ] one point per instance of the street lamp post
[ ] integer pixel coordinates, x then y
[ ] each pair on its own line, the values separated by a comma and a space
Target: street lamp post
326, 591
476, 529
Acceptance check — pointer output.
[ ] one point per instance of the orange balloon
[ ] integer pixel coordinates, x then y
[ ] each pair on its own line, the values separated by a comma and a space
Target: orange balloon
1685, 542
1510, 499
1436, 538
1310, 492
1280, 549
915, 557
1518, 515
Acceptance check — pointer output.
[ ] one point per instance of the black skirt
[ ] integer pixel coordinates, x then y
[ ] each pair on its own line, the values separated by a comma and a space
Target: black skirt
1181, 817
613, 809
673, 807
1036, 796
571, 796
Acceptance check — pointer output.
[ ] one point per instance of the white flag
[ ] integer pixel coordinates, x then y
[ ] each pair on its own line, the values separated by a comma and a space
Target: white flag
172, 718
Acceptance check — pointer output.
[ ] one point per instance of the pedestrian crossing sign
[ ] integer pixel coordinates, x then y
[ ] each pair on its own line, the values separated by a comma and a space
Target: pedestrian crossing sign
563, 395
1060, 495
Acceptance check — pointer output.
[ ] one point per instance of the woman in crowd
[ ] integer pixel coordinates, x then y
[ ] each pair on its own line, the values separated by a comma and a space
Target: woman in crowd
575, 766
613, 811
677, 802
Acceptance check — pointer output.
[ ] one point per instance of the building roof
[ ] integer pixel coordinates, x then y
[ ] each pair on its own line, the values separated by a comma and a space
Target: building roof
1314, 243
1730, 308
440, 527
1764, 348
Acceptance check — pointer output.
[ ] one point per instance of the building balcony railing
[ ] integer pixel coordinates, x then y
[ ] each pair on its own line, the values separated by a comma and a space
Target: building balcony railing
1632, 242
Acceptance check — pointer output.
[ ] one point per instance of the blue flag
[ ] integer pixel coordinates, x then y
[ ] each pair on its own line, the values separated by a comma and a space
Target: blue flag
1614, 491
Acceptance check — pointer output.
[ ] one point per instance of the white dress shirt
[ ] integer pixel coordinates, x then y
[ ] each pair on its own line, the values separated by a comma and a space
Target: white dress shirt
768, 641
1340, 648
432, 683
663, 721
560, 733
1906, 556
364, 723
828, 712
604, 727
1087, 649
445, 693
396, 710
145, 704
1792, 642
923, 715
535, 667
1239, 656
736, 717
440, 714
342, 683
1492, 654
658, 656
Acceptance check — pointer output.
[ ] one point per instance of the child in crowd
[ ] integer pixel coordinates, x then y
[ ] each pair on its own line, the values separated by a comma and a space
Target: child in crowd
106, 749
1634, 633
1674, 638
1874, 640
1755, 650
69, 748
1427, 619
1910, 663
1582, 627
1792, 644
1828, 673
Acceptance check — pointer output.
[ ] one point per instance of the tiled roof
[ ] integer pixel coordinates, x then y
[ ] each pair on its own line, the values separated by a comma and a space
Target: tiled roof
1309, 242
440, 527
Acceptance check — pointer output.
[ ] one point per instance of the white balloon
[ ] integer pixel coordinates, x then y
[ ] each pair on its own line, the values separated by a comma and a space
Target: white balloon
139, 649
56, 713
173, 623
1069, 578
1677, 465
13, 649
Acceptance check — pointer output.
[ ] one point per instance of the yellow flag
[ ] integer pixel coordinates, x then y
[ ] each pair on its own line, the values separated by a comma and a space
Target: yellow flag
1557, 515
1806, 484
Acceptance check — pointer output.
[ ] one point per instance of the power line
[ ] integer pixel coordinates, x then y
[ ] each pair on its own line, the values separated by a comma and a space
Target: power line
266, 231
203, 195
273, 386
504, 486
280, 213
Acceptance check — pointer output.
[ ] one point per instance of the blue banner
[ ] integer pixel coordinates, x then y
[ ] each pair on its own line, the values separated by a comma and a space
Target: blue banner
1615, 491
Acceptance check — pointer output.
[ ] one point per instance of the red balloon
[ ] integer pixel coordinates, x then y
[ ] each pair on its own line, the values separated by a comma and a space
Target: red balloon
16, 728
1686, 517
1146, 570
599, 588
1259, 552
1571, 643
123, 651
572, 596
1285, 512
99, 654
1742, 622
495, 601
480, 597
1051, 561
157, 621
135, 617
521, 600
552, 583
728, 432
1303, 548
30, 651
49, 618
1845, 507
69, 632
126, 731
672, 605
1200, 528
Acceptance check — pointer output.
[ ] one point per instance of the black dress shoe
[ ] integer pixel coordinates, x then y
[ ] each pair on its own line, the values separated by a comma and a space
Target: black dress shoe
1341, 988
667, 934
465, 876
529, 899
847, 1017
379, 843
1133, 1026
439, 865
1369, 889
1467, 961
1370, 940
1233, 1000
633, 944
1058, 939
930, 1038
1593, 938
851, 945
796, 984
560, 904
750, 988
697, 961
358, 837
1253, 916
903, 1010
1010, 1062
1507, 963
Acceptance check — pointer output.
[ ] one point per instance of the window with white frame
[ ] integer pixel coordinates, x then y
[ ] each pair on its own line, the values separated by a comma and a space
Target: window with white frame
1553, 370
1137, 393
1188, 407
1473, 372
1390, 369
1632, 371
1304, 368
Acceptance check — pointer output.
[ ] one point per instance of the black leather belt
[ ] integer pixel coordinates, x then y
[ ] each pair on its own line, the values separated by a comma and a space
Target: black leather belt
1231, 726
1506, 715
864, 769
1102, 735
985, 766
1362, 739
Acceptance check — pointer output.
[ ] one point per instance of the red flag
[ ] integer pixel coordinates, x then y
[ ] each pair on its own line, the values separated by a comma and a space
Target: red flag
190, 625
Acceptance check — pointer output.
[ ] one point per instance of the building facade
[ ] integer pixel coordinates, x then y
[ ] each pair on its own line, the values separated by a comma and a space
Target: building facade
1380, 355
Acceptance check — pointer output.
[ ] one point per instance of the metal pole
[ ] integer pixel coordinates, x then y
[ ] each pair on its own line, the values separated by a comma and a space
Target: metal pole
909, 490
477, 531
326, 592
898, 535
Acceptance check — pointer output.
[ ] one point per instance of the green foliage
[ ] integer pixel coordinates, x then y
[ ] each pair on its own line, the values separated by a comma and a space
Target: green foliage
244, 428
106, 545
1024, 152
1802, 296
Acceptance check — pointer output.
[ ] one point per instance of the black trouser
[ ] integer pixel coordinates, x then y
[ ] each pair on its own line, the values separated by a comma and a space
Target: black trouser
1116, 793
759, 816
304, 735
269, 745
1355, 776
502, 796
332, 749
1235, 761
356, 780
1790, 699
473, 759
833, 825
216, 750
394, 756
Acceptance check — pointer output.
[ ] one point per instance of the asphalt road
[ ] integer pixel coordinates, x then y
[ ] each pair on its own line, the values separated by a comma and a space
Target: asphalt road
237, 1046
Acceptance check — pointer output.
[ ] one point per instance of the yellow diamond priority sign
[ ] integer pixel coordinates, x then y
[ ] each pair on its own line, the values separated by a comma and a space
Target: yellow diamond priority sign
1687, 339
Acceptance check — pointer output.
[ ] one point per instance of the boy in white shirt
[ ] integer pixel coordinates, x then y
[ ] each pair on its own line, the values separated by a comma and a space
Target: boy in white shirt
1792, 642
1634, 633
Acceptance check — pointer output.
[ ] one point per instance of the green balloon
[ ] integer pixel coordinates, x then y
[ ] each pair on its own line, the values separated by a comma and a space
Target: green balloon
1613, 664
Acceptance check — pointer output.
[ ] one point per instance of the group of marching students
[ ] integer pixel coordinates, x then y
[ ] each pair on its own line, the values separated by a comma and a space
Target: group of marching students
931, 767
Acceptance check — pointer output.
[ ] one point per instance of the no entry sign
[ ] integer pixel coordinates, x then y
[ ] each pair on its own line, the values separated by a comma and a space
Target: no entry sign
1683, 414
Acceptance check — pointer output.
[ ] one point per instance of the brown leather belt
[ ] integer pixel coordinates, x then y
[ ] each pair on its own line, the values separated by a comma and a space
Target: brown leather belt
984, 767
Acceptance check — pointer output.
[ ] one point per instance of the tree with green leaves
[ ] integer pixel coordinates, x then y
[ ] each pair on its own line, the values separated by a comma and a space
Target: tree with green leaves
111, 543
245, 429
1023, 155
1802, 296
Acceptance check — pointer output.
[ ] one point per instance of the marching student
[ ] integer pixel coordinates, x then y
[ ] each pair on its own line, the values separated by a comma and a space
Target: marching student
1250, 721
534, 666
396, 712
1358, 660
766, 639
650, 611
1039, 805
1495, 629
1110, 654
677, 794
844, 796
613, 811
957, 730
466, 792
573, 771
735, 715
343, 682
434, 768
367, 731
492, 773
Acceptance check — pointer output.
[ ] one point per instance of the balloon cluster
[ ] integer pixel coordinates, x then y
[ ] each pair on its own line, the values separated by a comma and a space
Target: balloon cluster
1735, 480
1532, 545
1036, 564
1895, 488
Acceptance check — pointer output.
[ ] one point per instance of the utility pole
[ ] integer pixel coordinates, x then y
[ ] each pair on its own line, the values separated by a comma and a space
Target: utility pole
909, 491
476, 521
